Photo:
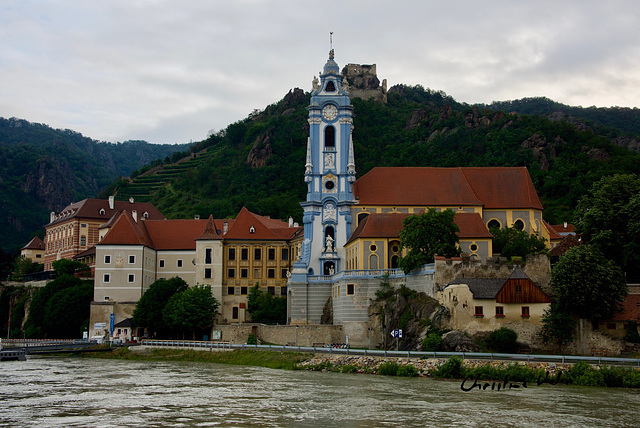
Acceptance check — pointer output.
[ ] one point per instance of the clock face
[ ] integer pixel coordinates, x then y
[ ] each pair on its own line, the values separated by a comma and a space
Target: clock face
330, 112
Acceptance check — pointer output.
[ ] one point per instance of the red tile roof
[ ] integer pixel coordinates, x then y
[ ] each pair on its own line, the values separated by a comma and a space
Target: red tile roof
561, 228
250, 226
491, 187
91, 209
553, 233
389, 225
126, 231
175, 234
35, 244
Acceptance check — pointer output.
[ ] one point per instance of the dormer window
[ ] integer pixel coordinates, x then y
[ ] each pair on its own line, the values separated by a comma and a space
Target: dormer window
252, 229
145, 215
102, 211
331, 87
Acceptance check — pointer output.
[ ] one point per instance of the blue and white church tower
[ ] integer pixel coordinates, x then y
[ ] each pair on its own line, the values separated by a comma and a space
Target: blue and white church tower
329, 174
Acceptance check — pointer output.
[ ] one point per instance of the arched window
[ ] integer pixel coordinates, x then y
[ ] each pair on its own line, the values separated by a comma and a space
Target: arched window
361, 217
331, 87
373, 261
494, 223
394, 262
329, 268
519, 224
329, 137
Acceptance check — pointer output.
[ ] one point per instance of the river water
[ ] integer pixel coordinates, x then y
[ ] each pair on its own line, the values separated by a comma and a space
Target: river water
65, 392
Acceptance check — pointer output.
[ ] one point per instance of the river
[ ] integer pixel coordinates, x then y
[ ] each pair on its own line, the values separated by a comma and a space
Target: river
66, 392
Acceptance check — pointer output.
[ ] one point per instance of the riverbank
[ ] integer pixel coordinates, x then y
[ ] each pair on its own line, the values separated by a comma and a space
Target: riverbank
581, 373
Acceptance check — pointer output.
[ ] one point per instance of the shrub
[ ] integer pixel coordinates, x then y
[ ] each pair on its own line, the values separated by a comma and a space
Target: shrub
407, 371
406, 316
252, 340
502, 340
348, 368
433, 342
632, 379
451, 369
388, 368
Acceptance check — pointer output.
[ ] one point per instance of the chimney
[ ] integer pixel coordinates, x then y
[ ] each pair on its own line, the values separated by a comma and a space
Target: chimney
290, 221
196, 217
565, 225
131, 200
111, 202
134, 214
225, 228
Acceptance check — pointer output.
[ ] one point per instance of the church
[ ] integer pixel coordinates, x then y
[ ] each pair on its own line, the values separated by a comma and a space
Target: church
333, 262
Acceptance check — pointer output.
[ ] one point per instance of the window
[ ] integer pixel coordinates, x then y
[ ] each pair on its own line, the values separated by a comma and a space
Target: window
518, 289
83, 241
499, 311
106, 278
271, 273
331, 87
207, 256
132, 260
131, 278
207, 273
231, 273
271, 255
232, 253
525, 312
235, 312
231, 291
257, 273
329, 185
83, 224
107, 259
494, 224
179, 263
479, 311
283, 291
244, 273
519, 224
350, 289
161, 263
106, 298
329, 137
244, 290
244, 254
271, 290
283, 273
284, 255
373, 248
257, 254
473, 247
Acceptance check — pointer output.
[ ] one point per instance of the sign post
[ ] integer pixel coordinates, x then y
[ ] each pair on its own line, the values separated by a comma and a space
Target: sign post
397, 334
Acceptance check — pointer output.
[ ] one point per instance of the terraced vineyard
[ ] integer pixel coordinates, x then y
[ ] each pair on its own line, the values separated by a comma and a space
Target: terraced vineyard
141, 187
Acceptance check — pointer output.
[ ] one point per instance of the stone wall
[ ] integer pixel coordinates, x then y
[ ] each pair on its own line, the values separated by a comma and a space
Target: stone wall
537, 267
302, 335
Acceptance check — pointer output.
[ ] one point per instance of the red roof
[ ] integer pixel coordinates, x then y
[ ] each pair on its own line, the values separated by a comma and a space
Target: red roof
389, 225
563, 228
93, 209
553, 233
126, 231
250, 226
491, 187
35, 244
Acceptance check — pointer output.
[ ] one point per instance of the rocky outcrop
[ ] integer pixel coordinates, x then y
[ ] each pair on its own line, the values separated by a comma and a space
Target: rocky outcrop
627, 143
418, 117
458, 341
261, 149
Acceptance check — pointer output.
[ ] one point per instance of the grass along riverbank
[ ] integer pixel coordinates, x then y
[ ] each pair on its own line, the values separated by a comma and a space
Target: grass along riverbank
582, 374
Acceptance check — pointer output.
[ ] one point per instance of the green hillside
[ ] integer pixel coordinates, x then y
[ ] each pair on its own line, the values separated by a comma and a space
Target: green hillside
259, 162
43, 169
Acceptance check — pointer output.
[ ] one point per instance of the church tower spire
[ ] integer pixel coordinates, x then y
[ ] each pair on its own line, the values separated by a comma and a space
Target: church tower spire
329, 174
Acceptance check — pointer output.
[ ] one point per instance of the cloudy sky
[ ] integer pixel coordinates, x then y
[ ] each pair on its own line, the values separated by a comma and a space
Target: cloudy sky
171, 71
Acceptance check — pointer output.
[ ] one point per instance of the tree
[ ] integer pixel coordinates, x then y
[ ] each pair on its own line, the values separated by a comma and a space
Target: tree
557, 325
23, 266
191, 310
584, 282
426, 235
266, 308
608, 217
510, 242
149, 310
68, 267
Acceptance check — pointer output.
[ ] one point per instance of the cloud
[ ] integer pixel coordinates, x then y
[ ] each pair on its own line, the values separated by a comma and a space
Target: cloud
169, 72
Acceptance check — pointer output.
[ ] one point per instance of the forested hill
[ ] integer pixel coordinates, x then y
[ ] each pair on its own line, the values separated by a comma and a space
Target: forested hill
259, 162
43, 169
